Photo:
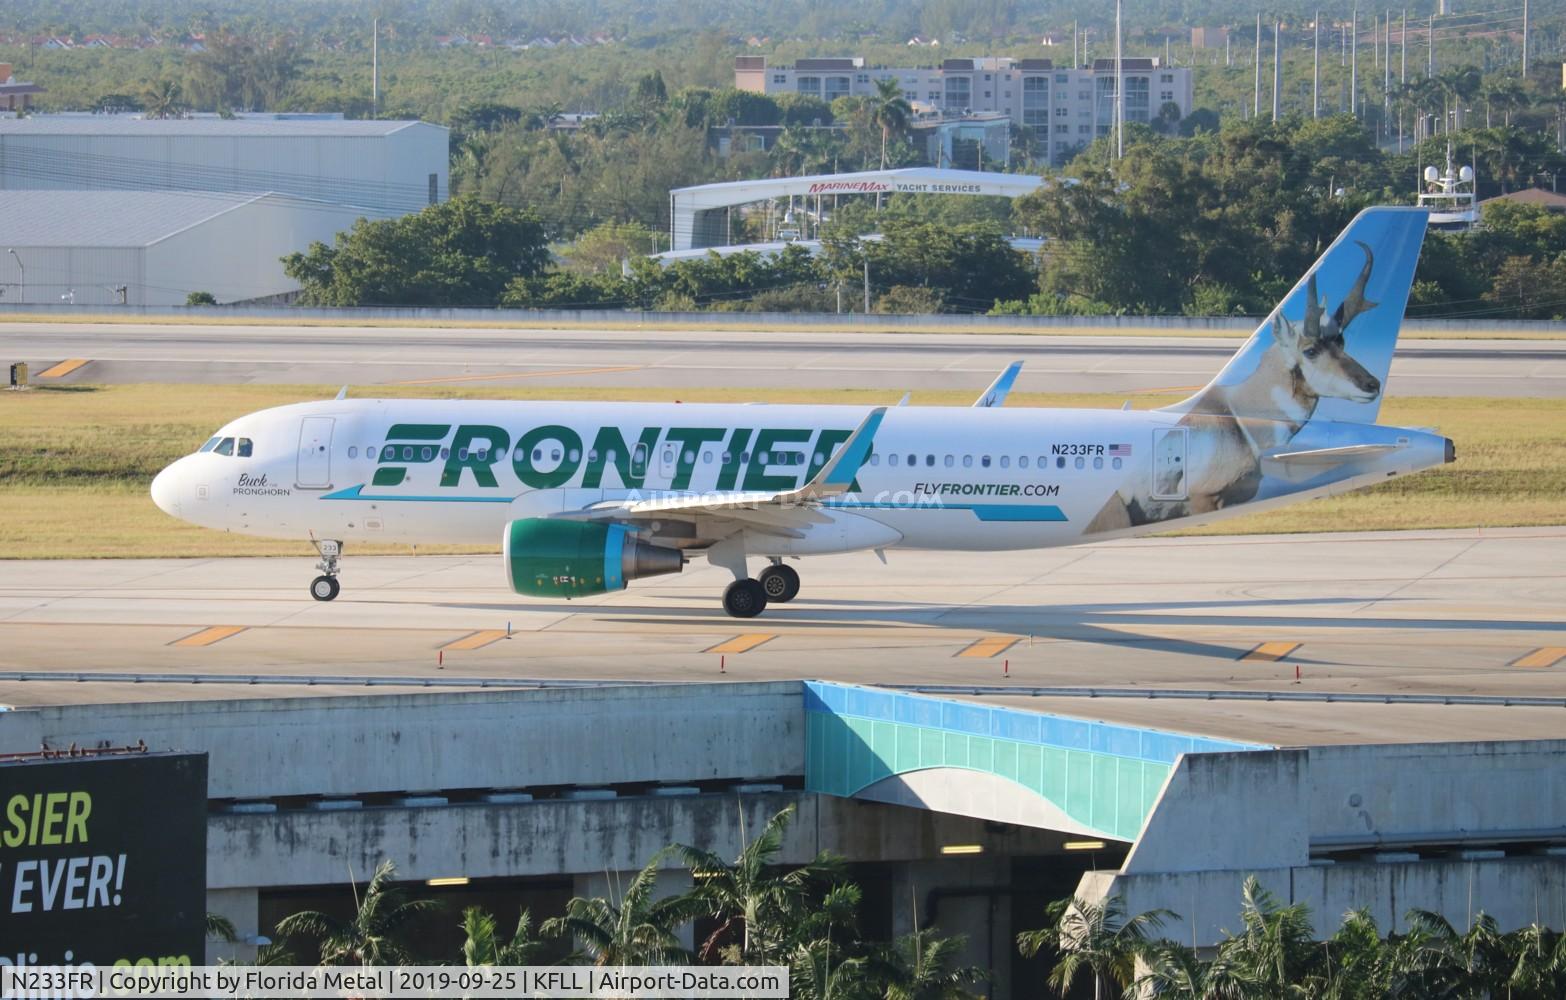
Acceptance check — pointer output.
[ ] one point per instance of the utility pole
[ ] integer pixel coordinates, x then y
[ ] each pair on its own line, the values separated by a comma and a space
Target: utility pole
1315, 71
1402, 35
1120, 92
1430, 50
1076, 61
1228, 59
1277, 68
867, 284
1354, 63
375, 66
1525, 41
1256, 89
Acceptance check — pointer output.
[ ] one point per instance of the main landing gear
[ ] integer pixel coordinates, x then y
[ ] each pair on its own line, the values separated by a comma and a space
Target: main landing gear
747, 598
325, 587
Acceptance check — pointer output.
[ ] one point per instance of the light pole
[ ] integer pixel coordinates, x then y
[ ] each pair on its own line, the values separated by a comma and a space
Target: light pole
21, 275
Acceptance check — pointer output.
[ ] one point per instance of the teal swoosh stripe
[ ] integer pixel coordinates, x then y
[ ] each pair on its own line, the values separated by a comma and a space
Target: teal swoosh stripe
1020, 512
982, 511
353, 493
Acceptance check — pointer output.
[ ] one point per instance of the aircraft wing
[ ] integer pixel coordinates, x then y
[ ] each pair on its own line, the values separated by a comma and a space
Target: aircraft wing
996, 394
787, 512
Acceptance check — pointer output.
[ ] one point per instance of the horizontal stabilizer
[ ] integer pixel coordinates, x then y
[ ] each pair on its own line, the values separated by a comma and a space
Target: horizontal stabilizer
1331, 456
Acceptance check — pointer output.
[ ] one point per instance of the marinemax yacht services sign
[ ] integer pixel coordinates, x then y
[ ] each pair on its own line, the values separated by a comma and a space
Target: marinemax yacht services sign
103, 860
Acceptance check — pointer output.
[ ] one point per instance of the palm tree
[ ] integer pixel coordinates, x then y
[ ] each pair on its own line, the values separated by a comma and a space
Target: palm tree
748, 897
220, 928
923, 966
482, 947
1097, 937
1276, 943
374, 934
1175, 972
163, 99
821, 970
891, 112
1353, 962
638, 930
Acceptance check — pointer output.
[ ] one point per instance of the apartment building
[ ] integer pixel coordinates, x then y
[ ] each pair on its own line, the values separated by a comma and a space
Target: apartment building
1064, 106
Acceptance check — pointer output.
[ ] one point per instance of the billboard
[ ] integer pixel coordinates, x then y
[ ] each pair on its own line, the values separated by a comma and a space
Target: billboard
103, 860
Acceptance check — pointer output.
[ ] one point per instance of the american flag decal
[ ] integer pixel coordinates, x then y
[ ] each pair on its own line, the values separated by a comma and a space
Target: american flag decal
1120, 450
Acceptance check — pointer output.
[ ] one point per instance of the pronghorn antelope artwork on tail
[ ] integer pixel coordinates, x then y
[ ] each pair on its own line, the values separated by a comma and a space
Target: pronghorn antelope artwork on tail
1219, 452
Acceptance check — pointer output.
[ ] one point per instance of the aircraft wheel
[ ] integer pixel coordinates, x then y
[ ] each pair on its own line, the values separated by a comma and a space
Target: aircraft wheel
780, 583
324, 588
744, 599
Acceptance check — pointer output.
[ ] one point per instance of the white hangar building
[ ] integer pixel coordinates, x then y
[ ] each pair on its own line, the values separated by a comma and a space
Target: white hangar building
154, 248
111, 209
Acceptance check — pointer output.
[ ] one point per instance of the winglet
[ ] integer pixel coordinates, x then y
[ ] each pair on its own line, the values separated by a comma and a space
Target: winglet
342, 393
999, 389
837, 476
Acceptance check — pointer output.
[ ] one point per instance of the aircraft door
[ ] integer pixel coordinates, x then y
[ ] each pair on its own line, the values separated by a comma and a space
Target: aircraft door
315, 453
1169, 461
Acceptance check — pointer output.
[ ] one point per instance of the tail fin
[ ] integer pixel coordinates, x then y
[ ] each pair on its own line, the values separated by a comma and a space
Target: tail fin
1335, 331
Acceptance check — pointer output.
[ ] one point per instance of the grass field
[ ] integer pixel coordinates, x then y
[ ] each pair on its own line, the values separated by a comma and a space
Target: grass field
75, 462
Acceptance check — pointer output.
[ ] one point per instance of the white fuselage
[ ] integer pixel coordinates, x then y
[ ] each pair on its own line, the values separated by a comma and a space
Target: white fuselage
939, 478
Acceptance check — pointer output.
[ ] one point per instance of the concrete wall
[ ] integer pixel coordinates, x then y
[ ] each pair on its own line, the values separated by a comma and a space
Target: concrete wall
266, 748
1277, 815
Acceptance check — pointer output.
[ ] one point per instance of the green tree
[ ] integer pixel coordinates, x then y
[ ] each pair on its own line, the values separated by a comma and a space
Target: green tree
462, 252
637, 930
201, 299
1274, 947
377, 932
892, 112
1175, 972
757, 907
923, 965
483, 946
1093, 937
163, 99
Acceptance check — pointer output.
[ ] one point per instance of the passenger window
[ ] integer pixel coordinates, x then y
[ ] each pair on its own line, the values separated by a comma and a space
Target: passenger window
967, 461
554, 454
820, 459
445, 453
1116, 463
668, 455
913, 460
744, 458
1043, 462
462, 454
353, 451
763, 458
226, 446
1022, 461
1005, 461
611, 456
369, 453
892, 459
728, 457
575, 455
929, 460
209, 445
690, 458
407, 453
1060, 462
1098, 463
592, 455
875, 459
538, 454
483, 454
706, 458
426, 453
1079, 461
950, 461
639, 459
985, 461
244, 447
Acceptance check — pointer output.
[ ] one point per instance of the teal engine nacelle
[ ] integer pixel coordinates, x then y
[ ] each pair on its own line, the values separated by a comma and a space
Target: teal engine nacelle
550, 558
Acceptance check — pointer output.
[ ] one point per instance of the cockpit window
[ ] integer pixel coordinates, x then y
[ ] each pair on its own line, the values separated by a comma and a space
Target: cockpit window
225, 447
243, 450
210, 444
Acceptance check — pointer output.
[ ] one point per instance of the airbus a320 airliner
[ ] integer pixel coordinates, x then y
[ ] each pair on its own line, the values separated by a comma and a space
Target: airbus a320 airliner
586, 497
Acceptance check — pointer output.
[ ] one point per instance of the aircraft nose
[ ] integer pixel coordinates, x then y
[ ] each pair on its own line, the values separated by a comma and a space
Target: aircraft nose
165, 491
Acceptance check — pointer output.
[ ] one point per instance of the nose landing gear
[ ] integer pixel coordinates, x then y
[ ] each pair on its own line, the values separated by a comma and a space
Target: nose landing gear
325, 587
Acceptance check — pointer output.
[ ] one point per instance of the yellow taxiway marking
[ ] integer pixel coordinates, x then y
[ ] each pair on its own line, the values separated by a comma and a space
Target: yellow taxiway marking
506, 375
1271, 652
63, 368
477, 640
208, 636
1545, 656
994, 646
741, 643
1167, 388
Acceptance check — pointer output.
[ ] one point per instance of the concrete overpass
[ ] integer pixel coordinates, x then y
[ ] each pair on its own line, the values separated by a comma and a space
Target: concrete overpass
956, 809
696, 214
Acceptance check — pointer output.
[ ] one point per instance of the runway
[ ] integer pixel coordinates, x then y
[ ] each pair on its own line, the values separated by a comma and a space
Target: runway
1449, 613
665, 360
